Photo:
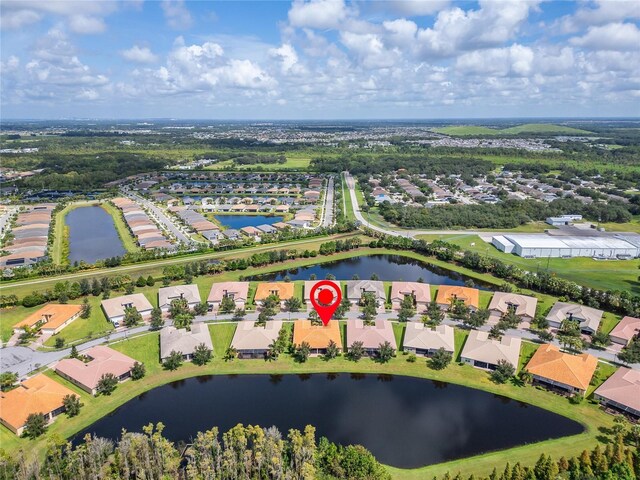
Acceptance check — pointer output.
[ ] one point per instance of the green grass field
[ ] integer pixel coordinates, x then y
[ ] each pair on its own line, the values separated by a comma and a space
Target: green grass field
468, 130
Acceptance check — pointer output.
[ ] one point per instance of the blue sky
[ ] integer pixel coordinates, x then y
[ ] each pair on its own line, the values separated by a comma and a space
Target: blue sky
315, 59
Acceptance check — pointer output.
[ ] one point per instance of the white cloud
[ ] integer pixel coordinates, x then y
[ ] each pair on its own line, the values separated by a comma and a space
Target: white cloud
370, 49
287, 56
319, 14
138, 54
414, 8
514, 60
15, 19
614, 36
84, 17
86, 24
600, 12
176, 13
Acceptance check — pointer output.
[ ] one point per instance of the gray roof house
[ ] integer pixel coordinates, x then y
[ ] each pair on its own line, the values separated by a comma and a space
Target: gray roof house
114, 308
423, 340
589, 318
482, 352
231, 234
251, 341
355, 289
371, 336
183, 340
167, 294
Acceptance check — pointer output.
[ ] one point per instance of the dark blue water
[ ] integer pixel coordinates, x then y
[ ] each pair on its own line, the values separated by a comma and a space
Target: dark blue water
239, 221
392, 268
405, 422
92, 235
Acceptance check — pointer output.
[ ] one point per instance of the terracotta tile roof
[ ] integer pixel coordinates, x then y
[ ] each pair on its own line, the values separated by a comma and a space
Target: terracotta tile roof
622, 387
39, 394
53, 315
104, 360
284, 289
317, 336
574, 370
470, 296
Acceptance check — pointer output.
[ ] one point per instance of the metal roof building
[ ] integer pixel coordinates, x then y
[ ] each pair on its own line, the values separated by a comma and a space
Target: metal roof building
543, 245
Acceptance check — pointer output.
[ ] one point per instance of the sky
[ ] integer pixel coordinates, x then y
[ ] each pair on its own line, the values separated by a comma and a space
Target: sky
319, 59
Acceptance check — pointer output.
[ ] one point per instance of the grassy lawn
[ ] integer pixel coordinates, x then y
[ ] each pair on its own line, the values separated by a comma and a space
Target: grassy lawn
11, 316
602, 274
221, 336
398, 332
347, 199
145, 348
124, 233
526, 352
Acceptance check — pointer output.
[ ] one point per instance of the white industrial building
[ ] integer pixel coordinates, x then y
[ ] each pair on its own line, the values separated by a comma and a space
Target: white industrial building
544, 245
563, 220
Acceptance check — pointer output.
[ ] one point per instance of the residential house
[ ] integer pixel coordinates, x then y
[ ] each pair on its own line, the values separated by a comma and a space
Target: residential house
283, 290
447, 294
523, 306
50, 319
189, 293
625, 331
371, 336
252, 341
114, 308
184, 341
482, 352
424, 340
317, 336
238, 291
563, 371
621, 392
308, 286
38, 394
419, 292
356, 288
102, 360
588, 318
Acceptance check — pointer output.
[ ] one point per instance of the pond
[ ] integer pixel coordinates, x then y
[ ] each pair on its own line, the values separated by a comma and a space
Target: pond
239, 221
92, 235
405, 422
392, 268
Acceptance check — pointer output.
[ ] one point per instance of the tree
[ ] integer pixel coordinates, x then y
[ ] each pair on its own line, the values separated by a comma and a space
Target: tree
332, 350
106, 384
183, 320
35, 426
202, 354
476, 319
86, 308
201, 308
74, 352
179, 306
130, 288
131, 317
173, 361
302, 352
138, 371
150, 281
72, 405
458, 310
141, 282
503, 372
440, 359
385, 352
343, 308
238, 314
435, 314
407, 309
293, 304
227, 304
356, 351
231, 353
600, 339
569, 335
59, 343
157, 322
7, 380
545, 335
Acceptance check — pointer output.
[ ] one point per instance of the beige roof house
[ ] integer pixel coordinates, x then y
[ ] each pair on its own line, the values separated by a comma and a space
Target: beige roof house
309, 284
424, 340
355, 289
183, 340
625, 330
421, 293
523, 306
167, 294
589, 318
114, 307
621, 391
251, 341
482, 352
562, 370
103, 360
239, 291
371, 336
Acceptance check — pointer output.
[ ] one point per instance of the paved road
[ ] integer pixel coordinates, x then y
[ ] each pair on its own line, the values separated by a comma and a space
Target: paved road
4, 219
327, 209
350, 181
23, 360
161, 217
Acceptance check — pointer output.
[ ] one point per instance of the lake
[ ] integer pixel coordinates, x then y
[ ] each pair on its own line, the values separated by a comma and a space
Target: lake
92, 235
392, 268
405, 422
239, 221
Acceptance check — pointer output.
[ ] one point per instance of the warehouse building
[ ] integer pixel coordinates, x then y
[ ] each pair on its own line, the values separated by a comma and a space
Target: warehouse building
543, 245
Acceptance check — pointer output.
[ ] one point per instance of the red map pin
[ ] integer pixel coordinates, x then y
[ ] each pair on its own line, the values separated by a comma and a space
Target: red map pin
327, 300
